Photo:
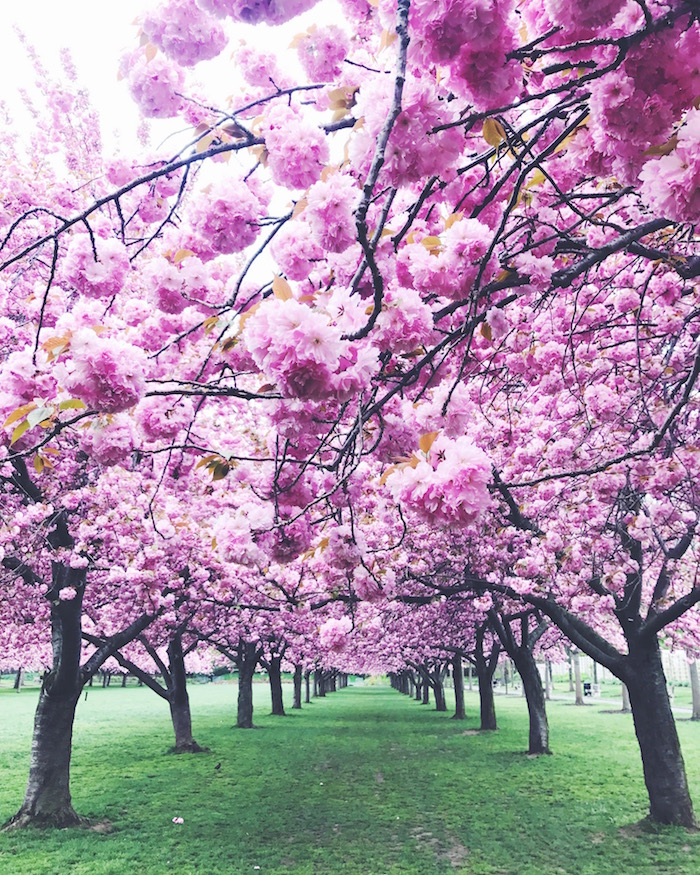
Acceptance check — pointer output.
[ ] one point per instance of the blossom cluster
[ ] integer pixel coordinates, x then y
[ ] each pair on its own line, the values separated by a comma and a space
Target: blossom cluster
450, 487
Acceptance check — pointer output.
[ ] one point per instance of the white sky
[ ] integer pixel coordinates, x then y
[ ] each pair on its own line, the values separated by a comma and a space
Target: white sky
96, 32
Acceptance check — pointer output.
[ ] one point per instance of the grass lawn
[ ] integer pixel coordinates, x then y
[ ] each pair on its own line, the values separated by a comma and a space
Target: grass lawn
363, 781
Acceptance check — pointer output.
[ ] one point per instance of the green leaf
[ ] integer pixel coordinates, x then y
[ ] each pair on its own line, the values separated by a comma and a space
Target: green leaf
72, 404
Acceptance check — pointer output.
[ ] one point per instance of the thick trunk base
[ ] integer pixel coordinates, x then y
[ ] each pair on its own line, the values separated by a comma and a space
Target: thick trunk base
61, 819
664, 769
190, 746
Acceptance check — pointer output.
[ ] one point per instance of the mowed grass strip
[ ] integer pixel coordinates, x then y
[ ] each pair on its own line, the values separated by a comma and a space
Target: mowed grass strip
363, 781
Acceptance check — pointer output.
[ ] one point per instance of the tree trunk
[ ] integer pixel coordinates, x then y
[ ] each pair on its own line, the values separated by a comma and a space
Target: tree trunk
487, 705
694, 689
274, 673
547, 680
534, 695
247, 660
571, 672
664, 769
439, 693
458, 675
485, 670
626, 707
426, 693
307, 687
19, 679
298, 680
124, 677
179, 700
576, 659
419, 689
47, 800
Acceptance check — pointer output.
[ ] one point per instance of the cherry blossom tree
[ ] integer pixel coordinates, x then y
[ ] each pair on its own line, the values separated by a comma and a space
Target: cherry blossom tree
450, 263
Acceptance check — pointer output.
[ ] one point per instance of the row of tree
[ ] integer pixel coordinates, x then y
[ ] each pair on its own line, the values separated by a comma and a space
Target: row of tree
387, 353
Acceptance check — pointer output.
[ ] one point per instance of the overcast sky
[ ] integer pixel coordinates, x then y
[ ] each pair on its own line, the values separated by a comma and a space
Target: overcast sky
96, 32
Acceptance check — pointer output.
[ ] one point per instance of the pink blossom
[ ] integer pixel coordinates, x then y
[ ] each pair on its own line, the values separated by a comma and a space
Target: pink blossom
67, 594
294, 248
329, 212
226, 215
285, 541
334, 634
112, 441
254, 11
322, 51
294, 345
297, 149
98, 272
184, 32
671, 184
107, 373
450, 487
155, 84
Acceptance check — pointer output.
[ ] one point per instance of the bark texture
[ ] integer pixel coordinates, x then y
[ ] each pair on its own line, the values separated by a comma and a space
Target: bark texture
274, 673
458, 677
664, 769
247, 660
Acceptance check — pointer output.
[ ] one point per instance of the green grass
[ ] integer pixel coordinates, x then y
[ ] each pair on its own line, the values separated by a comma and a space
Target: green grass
363, 781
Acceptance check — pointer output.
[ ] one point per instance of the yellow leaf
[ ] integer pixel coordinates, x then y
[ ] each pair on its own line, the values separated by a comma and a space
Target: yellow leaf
493, 132
220, 470
261, 154
451, 219
388, 38
181, 255
72, 404
38, 464
243, 318
664, 149
427, 440
537, 178
233, 130
281, 288
299, 207
385, 476
209, 324
19, 431
204, 143
207, 460
19, 413
432, 244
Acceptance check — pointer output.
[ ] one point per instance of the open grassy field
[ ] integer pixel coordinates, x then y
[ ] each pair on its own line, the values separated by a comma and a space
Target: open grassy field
363, 781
